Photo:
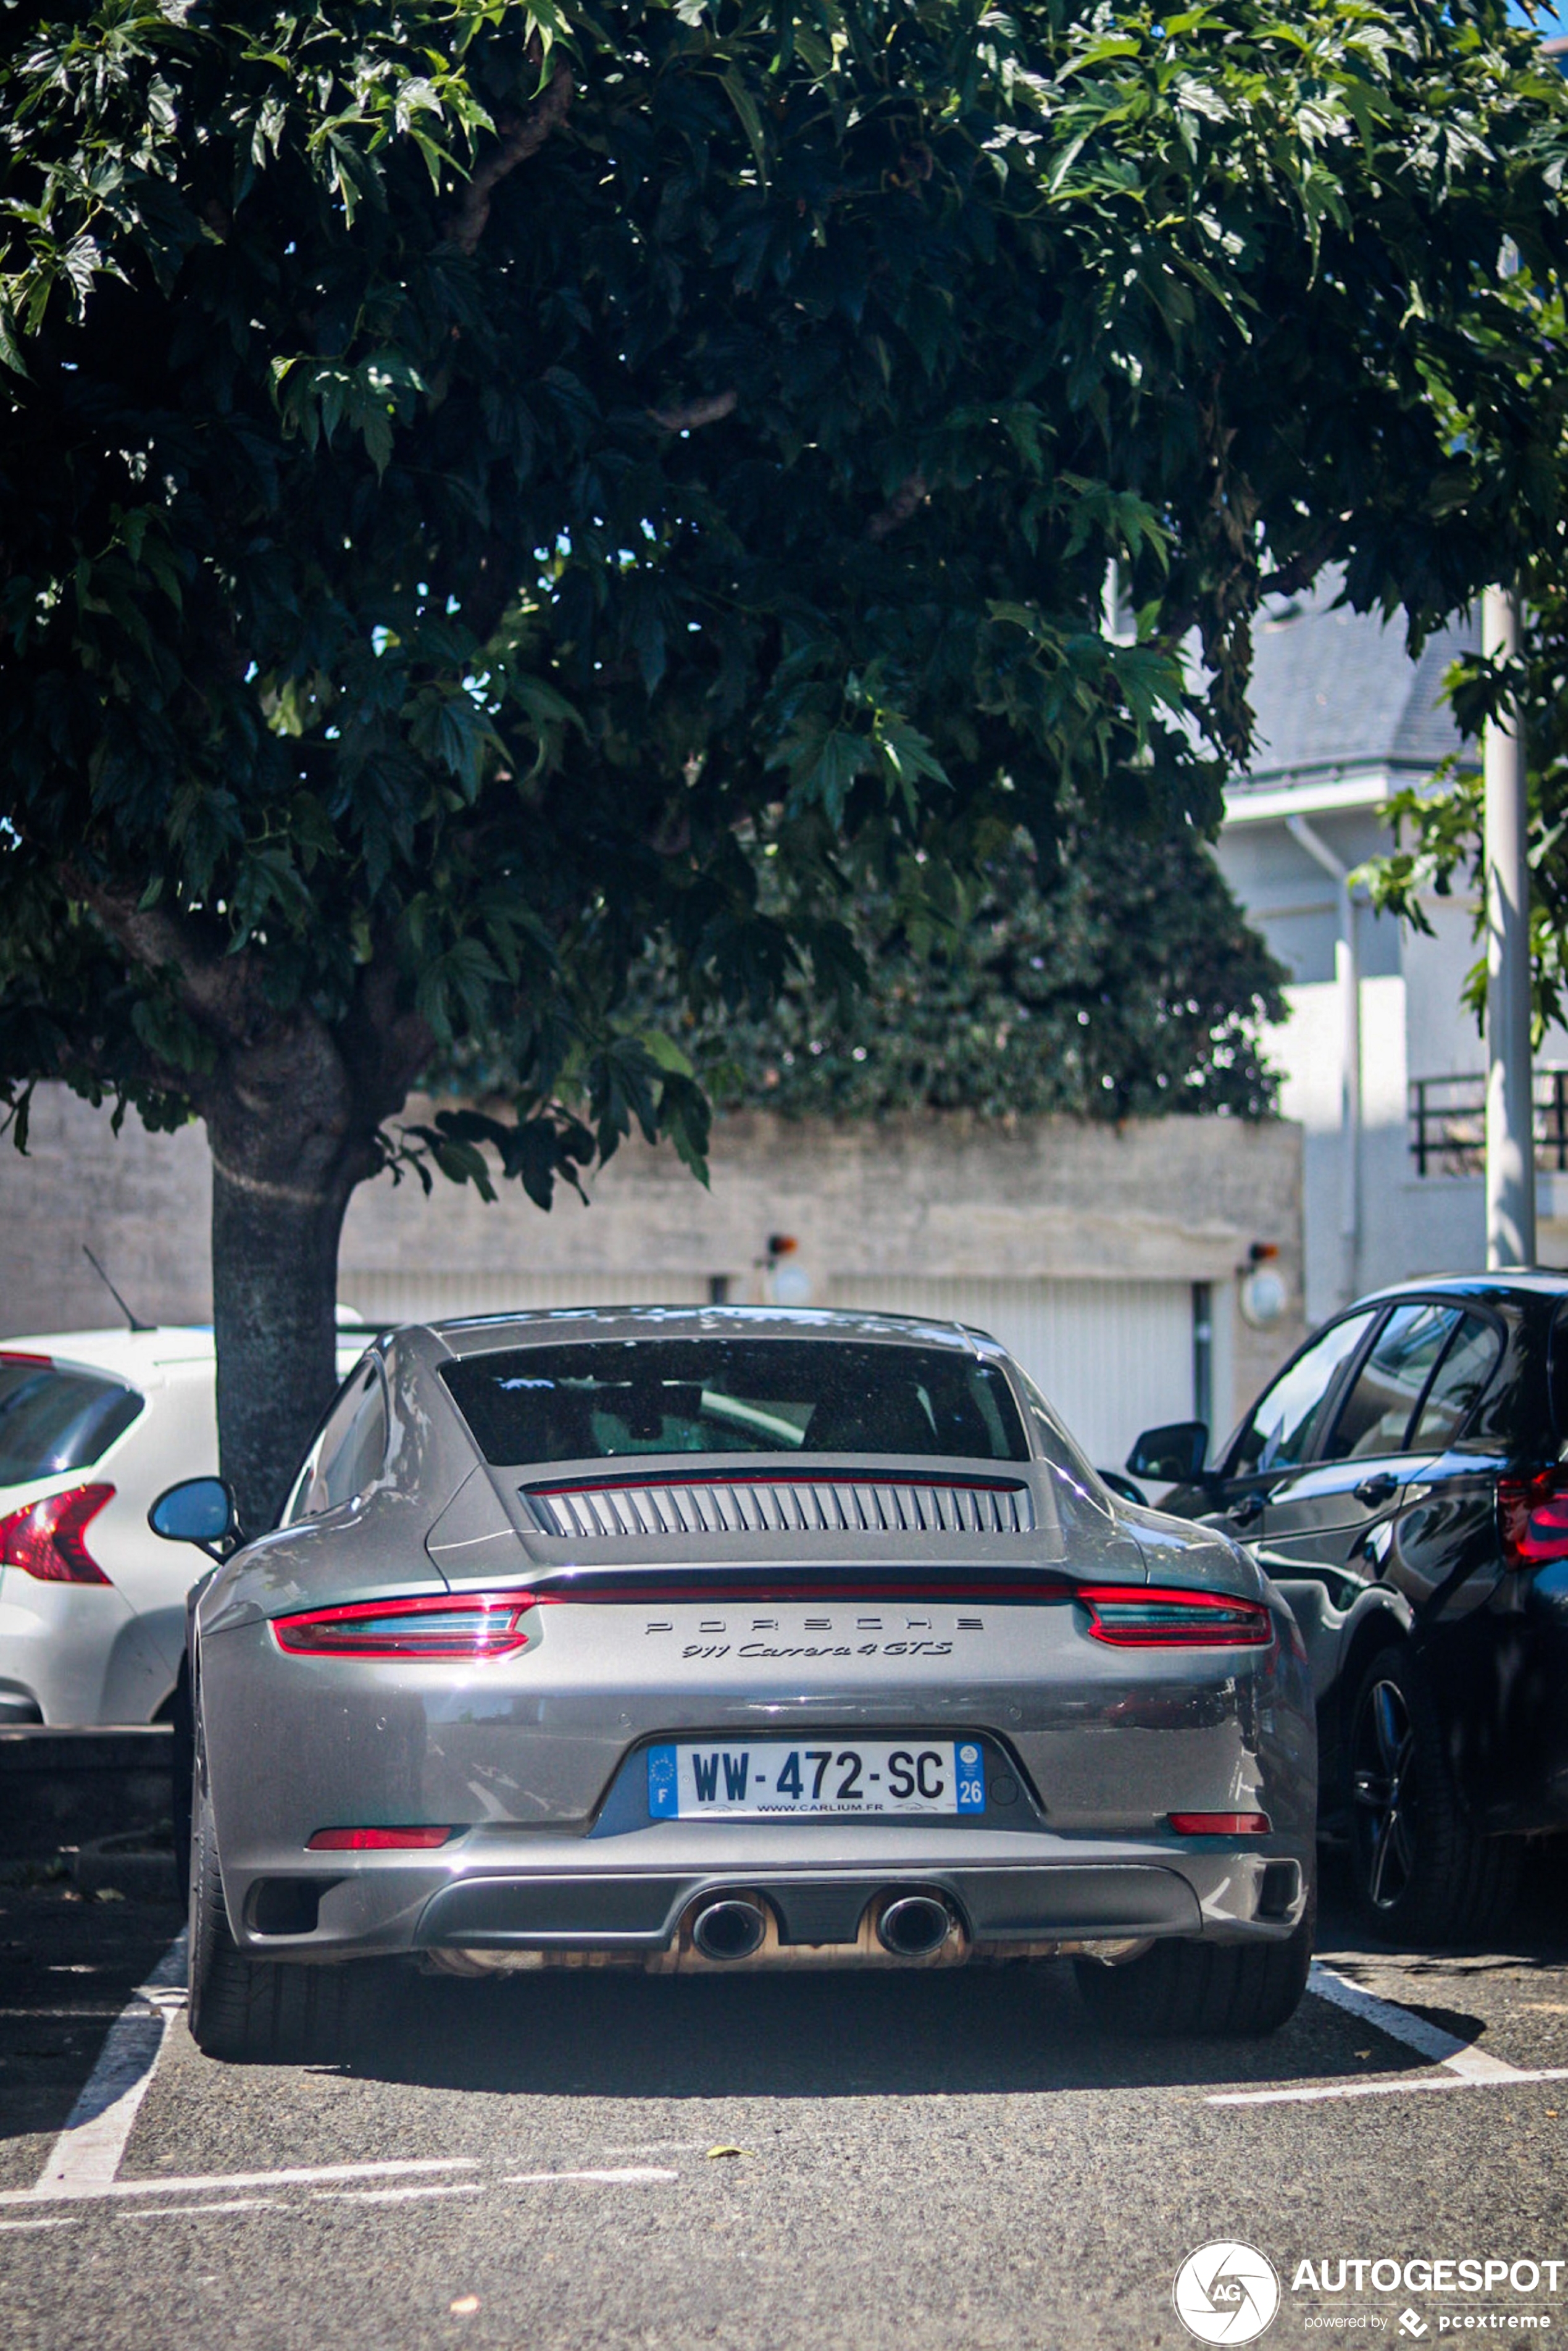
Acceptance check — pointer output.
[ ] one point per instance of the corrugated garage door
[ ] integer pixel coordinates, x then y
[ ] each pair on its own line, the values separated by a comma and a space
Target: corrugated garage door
1114, 1357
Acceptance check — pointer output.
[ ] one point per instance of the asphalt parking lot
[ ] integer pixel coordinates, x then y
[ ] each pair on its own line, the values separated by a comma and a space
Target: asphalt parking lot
774, 2163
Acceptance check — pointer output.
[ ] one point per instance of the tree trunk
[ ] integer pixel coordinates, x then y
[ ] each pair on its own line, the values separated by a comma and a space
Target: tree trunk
275, 1289
290, 1138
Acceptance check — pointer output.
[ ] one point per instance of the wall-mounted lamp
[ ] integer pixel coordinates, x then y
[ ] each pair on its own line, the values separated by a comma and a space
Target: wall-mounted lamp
1263, 1296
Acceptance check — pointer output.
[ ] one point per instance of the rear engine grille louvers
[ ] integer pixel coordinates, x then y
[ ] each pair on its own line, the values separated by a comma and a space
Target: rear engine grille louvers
781, 1506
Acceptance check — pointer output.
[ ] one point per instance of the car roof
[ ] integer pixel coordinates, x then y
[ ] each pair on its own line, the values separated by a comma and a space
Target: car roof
485, 1334
1531, 1282
124, 1352
130, 1354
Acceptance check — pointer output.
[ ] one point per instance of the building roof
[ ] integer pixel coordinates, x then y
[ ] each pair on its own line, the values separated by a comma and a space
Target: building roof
1335, 691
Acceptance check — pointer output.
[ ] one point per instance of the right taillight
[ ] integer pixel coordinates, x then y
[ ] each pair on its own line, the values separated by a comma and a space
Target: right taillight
1532, 1517
48, 1538
1138, 1617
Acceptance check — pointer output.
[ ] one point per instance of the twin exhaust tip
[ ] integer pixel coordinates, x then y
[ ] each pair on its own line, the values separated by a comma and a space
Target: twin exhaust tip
914, 1926
734, 1928
730, 1929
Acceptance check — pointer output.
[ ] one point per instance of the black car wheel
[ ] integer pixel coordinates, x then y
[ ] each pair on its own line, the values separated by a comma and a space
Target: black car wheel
1421, 1869
265, 2011
1201, 1991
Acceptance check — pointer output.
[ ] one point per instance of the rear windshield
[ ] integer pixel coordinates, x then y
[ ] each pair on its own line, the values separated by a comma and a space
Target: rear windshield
600, 1401
54, 1420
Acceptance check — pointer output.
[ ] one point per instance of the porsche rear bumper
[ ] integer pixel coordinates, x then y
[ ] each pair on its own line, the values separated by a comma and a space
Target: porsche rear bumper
539, 1765
822, 1884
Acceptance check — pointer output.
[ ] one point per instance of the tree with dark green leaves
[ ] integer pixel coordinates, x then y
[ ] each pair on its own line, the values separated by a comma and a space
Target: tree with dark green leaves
478, 477
1122, 983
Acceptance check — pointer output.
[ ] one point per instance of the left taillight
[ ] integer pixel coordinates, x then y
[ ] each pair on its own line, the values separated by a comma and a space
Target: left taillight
1134, 1617
1532, 1517
468, 1625
48, 1538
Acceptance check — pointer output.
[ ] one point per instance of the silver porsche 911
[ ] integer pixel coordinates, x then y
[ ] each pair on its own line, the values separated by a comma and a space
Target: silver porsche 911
692, 1640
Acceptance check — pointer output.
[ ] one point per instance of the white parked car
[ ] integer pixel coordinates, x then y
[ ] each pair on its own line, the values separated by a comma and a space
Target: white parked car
93, 1425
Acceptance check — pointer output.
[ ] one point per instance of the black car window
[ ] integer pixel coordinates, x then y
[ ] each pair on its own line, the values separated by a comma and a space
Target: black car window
601, 1400
349, 1450
1282, 1426
1376, 1416
52, 1420
1057, 1448
348, 1469
1457, 1385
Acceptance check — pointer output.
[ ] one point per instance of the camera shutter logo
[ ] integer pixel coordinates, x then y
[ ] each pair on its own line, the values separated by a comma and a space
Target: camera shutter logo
1226, 2294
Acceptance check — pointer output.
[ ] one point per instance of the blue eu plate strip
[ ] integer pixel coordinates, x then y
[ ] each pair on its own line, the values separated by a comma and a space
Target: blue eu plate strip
663, 1789
970, 1770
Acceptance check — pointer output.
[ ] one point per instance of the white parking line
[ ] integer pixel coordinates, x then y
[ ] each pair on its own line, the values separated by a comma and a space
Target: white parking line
206, 2183
614, 2179
188, 2212
1464, 2067
1417, 2032
390, 2195
86, 2156
1510, 2081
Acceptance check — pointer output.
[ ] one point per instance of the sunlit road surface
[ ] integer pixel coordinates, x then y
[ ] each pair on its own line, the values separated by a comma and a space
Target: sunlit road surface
774, 2164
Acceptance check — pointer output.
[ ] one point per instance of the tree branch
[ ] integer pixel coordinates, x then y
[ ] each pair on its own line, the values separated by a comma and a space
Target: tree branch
693, 413
521, 141
217, 988
912, 493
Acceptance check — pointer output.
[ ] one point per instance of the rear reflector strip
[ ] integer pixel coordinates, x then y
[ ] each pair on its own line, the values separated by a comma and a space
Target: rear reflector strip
701, 1588
468, 1625
1219, 1823
480, 1625
1128, 1618
416, 1840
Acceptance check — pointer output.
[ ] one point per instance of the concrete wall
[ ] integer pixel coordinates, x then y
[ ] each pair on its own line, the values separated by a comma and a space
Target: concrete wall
141, 1203
1043, 1202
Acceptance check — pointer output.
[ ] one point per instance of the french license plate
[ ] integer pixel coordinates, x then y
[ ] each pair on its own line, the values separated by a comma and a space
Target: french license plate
718, 1781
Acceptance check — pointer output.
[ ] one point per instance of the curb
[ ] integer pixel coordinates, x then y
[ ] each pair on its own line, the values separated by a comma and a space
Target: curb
138, 1863
77, 1787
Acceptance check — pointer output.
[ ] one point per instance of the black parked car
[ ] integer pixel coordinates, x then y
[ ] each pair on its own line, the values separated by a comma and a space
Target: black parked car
1404, 1481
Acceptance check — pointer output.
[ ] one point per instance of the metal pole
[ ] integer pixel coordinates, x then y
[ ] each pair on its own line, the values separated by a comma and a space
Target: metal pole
1510, 1114
1347, 973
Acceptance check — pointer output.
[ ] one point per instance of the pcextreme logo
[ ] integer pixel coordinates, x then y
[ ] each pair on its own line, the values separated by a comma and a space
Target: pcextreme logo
1226, 2293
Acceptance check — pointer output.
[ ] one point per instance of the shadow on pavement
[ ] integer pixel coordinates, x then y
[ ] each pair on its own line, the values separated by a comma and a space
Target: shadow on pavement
1535, 1934
991, 2031
68, 1965
940, 2032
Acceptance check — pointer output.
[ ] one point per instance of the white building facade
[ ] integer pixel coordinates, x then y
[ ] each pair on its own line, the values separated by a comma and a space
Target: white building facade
1383, 1064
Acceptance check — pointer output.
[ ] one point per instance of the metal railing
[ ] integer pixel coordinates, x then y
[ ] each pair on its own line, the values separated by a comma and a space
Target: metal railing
1448, 1124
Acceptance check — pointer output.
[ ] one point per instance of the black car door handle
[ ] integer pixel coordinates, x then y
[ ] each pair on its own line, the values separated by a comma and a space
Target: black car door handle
1242, 1512
1375, 1491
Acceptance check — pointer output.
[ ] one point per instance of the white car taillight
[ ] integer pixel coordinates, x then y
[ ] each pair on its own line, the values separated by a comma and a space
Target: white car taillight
48, 1538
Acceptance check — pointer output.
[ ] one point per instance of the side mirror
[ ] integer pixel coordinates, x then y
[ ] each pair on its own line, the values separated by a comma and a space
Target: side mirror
198, 1511
1172, 1455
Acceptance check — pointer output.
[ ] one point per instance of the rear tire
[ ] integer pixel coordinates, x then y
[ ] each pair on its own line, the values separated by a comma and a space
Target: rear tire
1421, 1871
265, 2011
1201, 1991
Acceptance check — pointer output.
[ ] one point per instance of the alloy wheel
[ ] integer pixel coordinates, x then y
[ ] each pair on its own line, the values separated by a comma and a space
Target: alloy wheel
1382, 1788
